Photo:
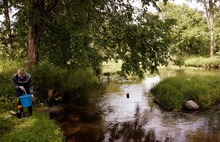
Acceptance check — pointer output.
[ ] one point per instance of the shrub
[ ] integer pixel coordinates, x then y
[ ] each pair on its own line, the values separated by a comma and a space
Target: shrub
49, 76
45, 76
7, 93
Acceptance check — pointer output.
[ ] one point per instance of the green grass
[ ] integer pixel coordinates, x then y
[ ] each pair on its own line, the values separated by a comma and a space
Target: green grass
173, 92
38, 128
203, 62
34, 129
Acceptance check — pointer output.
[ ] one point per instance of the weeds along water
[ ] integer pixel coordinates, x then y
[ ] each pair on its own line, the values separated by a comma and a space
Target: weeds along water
172, 92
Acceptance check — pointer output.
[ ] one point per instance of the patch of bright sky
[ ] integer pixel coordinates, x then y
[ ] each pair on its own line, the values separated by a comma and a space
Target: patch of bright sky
193, 4
12, 11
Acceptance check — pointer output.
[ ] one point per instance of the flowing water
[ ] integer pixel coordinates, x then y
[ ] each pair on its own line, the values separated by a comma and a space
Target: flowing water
124, 112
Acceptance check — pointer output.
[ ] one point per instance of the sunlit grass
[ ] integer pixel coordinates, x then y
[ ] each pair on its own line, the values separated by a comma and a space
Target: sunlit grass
111, 66
203, 62
36, 128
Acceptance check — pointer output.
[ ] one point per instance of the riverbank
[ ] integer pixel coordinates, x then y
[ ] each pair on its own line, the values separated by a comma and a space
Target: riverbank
203, 62
46, 76
172, 93
109, 115
38, 127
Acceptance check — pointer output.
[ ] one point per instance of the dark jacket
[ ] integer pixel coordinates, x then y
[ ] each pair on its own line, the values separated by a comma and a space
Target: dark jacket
26, 82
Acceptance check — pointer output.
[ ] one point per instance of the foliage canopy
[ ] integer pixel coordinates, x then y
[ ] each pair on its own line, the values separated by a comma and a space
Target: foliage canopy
79, 34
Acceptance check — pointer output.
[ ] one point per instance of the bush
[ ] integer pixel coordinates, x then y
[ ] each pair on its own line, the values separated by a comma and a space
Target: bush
65, 81
45, 76
7, 93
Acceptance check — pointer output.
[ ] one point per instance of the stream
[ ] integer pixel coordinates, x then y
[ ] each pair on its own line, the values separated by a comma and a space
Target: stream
124, 112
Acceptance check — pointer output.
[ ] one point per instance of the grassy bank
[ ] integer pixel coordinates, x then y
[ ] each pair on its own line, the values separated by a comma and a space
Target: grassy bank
203, 62
172, 93
38, 128
46, 76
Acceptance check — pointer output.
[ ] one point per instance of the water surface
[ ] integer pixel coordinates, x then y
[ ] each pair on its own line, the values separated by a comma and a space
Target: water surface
109, 115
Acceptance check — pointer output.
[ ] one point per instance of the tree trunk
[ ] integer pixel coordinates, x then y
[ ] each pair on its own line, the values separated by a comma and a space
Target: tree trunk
33, 43
211, 31
39, 11
7, 25
212, 42
210, 8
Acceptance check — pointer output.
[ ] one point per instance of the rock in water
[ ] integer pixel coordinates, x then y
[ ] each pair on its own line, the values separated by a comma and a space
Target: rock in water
191, 105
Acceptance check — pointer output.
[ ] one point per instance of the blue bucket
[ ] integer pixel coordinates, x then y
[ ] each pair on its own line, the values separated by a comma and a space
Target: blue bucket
26, 100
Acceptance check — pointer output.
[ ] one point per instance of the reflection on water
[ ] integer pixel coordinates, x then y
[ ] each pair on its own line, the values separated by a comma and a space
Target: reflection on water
129, 130
112, 117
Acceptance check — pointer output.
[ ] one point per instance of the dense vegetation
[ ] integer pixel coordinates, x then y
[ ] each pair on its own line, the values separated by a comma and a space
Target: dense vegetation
46, 76
172, 93
75, 34
63, 44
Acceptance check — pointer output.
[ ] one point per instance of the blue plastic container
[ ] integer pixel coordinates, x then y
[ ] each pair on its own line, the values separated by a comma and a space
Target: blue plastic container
26, 100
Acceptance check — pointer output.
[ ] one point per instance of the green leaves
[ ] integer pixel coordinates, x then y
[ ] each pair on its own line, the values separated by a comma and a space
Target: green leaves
79, 34
141, 46
190, 31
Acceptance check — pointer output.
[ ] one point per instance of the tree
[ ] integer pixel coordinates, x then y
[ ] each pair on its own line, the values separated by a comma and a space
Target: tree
38, 13
210, 10
141, 46
33, 14
7, 25
190, 30
82, 25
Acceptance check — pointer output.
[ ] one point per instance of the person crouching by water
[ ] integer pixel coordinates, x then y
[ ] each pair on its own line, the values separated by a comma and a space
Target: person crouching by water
22, 82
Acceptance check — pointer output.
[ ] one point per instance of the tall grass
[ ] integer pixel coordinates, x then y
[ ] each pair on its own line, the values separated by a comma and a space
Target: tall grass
173, 92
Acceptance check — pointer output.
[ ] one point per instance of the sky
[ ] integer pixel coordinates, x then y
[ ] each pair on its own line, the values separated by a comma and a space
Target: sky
192, 4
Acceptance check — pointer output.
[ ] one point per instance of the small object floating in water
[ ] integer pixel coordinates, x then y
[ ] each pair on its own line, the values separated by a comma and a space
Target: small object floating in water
127, 95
